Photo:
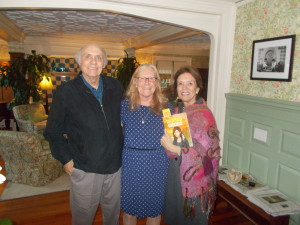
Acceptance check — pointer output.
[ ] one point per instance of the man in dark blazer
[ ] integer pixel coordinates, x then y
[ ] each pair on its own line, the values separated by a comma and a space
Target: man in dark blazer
85, 135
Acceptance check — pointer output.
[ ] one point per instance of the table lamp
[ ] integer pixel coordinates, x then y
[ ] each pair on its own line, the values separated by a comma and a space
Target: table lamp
46, 84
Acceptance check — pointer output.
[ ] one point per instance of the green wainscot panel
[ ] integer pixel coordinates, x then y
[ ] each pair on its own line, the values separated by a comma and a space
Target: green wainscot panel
262, 137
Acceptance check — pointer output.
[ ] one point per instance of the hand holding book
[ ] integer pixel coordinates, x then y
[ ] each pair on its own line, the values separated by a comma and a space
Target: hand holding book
167, 143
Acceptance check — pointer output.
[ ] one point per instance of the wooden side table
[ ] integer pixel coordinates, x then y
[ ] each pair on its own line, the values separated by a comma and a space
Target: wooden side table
251, 211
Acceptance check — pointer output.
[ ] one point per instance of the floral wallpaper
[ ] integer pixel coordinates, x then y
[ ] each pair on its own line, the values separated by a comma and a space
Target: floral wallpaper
258, 20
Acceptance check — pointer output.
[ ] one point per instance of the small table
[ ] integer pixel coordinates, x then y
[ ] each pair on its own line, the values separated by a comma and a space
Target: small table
251, 211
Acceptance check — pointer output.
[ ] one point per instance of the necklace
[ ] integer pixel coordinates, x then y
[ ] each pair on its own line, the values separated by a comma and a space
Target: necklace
143, 117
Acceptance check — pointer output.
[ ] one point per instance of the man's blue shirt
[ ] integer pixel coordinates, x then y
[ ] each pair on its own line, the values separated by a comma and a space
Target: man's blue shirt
97, 92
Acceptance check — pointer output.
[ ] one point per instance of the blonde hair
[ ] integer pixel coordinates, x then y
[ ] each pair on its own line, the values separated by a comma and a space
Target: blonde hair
158, 101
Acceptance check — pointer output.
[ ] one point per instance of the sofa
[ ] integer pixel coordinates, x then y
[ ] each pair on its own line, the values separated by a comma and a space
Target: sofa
28, 158
31, 118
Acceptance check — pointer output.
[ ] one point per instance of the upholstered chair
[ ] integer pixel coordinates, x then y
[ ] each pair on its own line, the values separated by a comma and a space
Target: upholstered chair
31, 118
28, 158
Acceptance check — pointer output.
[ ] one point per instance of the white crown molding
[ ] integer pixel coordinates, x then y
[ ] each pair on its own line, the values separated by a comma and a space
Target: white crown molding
172, 50
243, 2
15, 46
158, 35
67, 46
9, 31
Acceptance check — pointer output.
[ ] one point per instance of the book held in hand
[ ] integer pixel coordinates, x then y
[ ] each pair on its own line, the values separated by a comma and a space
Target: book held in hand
177, 126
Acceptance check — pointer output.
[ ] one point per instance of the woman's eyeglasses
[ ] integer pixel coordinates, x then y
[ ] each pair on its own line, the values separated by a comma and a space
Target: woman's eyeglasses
145, 79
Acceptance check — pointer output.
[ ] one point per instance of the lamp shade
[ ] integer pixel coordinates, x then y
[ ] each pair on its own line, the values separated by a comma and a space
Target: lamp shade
46, 84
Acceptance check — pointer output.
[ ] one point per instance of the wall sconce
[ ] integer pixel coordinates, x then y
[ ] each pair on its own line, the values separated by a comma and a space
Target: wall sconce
46, 84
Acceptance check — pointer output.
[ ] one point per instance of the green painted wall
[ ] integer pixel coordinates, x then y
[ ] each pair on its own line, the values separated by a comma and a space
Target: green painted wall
262, 137
268, 106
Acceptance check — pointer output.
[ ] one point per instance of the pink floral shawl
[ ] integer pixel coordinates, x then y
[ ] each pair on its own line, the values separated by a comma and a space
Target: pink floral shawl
199, 167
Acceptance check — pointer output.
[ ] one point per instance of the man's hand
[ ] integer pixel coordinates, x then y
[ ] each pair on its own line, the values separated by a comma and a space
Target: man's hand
69, 167
167, 142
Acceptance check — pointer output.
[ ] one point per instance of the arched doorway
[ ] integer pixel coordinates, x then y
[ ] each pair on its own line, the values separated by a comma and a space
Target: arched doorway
215, 19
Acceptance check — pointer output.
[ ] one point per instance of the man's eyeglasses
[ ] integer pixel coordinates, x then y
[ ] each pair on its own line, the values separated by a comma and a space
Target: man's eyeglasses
144, 79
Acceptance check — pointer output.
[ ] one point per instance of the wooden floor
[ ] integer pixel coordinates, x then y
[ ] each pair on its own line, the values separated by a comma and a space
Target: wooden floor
54, 209
47, 209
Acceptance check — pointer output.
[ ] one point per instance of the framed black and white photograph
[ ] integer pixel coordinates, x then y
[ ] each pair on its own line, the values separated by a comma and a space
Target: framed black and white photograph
272, 59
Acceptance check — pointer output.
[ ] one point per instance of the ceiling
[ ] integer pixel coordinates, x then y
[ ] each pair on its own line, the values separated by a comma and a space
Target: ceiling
130, 32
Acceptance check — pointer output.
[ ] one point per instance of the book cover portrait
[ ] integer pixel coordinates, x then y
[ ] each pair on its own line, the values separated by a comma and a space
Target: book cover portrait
177, 126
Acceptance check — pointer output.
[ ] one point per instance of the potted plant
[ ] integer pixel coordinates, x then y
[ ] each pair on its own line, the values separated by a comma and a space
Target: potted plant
24, 76
125, 69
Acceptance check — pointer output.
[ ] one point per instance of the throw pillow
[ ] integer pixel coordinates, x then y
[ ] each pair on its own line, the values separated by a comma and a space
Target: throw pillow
36, 116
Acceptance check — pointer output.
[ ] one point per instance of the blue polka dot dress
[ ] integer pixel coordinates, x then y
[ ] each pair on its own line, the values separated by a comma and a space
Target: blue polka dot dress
144, 163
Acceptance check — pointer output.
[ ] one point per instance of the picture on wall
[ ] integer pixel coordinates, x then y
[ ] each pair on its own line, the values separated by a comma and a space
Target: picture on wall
272, 59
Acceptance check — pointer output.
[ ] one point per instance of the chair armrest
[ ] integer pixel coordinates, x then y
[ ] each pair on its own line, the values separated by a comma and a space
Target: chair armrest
39, 127
25, 125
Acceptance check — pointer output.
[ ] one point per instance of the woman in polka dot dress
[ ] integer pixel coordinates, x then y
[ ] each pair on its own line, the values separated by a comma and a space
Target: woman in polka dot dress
144, 161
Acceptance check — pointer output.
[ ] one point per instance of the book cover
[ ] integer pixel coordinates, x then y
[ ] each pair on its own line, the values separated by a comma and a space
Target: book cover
177, 126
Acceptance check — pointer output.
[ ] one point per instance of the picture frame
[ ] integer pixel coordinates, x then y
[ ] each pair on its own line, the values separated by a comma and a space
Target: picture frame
272, 58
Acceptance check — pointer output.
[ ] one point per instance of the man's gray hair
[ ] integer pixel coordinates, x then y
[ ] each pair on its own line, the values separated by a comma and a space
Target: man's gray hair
78, 54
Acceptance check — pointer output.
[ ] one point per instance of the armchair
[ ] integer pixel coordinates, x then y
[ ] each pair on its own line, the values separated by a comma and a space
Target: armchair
28, 158
31, 118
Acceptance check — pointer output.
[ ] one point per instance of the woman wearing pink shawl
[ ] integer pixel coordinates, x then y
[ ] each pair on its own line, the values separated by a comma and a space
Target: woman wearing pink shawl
192, 174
